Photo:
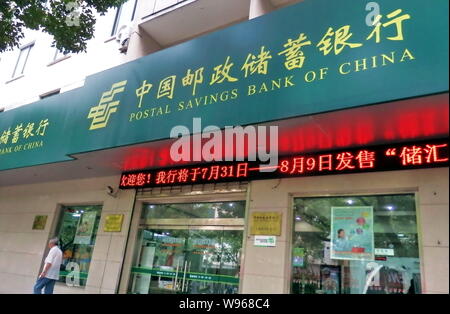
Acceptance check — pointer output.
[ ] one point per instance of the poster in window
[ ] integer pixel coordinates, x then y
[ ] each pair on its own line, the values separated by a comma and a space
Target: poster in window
85, 228
352, 233
39, 222
298, 257
330, 279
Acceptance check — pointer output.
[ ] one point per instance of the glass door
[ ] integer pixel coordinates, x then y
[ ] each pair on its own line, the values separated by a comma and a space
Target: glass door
188, 260
214, 260
161, 252
196, 255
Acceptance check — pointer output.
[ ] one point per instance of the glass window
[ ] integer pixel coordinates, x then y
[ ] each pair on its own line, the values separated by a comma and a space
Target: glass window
381, 226
22, 60
59, 55
124, 15
161, 5
194, 210
77, 232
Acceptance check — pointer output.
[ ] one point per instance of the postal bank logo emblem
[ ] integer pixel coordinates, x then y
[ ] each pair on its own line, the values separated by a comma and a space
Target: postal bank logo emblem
101, 113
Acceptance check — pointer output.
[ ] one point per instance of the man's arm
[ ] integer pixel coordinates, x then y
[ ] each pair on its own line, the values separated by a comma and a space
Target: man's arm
45, 270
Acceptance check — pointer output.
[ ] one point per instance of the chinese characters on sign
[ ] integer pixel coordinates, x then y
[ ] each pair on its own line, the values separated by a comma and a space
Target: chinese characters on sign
269, 69
265, 241
39, 222
23, 136
294, 53
380, 158
265, 223
23, 131
113, 223
186, 175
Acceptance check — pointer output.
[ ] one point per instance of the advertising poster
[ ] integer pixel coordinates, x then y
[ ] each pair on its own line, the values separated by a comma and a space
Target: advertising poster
39, 222
330, 279
298, 257
85, 228
352, 233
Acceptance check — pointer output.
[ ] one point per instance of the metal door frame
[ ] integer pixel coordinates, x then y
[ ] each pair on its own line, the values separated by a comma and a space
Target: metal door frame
186, 266
196, 197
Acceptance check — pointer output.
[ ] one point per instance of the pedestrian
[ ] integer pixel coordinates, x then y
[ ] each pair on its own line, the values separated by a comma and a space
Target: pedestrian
50, 273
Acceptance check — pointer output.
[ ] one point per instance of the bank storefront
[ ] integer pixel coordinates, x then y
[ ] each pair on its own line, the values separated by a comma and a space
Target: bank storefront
356, 202
189, 248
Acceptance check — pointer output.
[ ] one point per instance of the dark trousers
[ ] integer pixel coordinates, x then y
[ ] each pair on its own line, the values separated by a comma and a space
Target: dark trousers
46, 283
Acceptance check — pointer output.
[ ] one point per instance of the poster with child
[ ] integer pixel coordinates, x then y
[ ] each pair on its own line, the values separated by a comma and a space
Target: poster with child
352, 233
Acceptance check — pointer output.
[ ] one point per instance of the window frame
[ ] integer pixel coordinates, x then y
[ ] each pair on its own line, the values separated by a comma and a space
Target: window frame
50, 93
118, 16
28, 48
364, 192
63, 55
57, 227
132, 240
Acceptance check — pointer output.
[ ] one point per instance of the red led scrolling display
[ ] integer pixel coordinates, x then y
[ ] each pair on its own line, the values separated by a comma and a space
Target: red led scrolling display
187, 175
369, 159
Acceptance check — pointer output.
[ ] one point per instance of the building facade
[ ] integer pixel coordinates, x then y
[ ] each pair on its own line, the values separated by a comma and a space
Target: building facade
370, 137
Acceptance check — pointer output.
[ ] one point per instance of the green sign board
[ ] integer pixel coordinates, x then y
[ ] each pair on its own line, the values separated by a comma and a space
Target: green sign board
203, 277
315, 56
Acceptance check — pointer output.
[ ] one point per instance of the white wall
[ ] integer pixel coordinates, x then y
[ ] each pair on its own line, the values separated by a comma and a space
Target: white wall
260, 7
267, 270
22, 249
40, 77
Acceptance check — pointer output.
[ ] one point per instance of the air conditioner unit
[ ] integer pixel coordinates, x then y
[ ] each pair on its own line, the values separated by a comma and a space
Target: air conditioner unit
123, 37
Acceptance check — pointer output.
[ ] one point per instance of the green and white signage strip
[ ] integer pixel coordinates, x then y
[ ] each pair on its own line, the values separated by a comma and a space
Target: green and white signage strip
230, 280
315, 56
265, 241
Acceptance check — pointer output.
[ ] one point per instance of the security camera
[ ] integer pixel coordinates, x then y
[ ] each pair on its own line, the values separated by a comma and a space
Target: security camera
110, 191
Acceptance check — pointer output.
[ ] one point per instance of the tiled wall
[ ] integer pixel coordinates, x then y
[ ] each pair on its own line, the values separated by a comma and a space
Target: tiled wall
22, 249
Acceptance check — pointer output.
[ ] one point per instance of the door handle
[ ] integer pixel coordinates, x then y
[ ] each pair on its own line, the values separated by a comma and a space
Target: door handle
189, 270
184, 276
176, 277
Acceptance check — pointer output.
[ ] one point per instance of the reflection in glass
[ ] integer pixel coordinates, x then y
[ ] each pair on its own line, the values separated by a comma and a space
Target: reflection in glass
395, 270
200, 258
77, 232
188, 261
194, 210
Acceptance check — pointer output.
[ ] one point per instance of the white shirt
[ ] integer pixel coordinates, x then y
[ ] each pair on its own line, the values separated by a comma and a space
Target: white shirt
54, 257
